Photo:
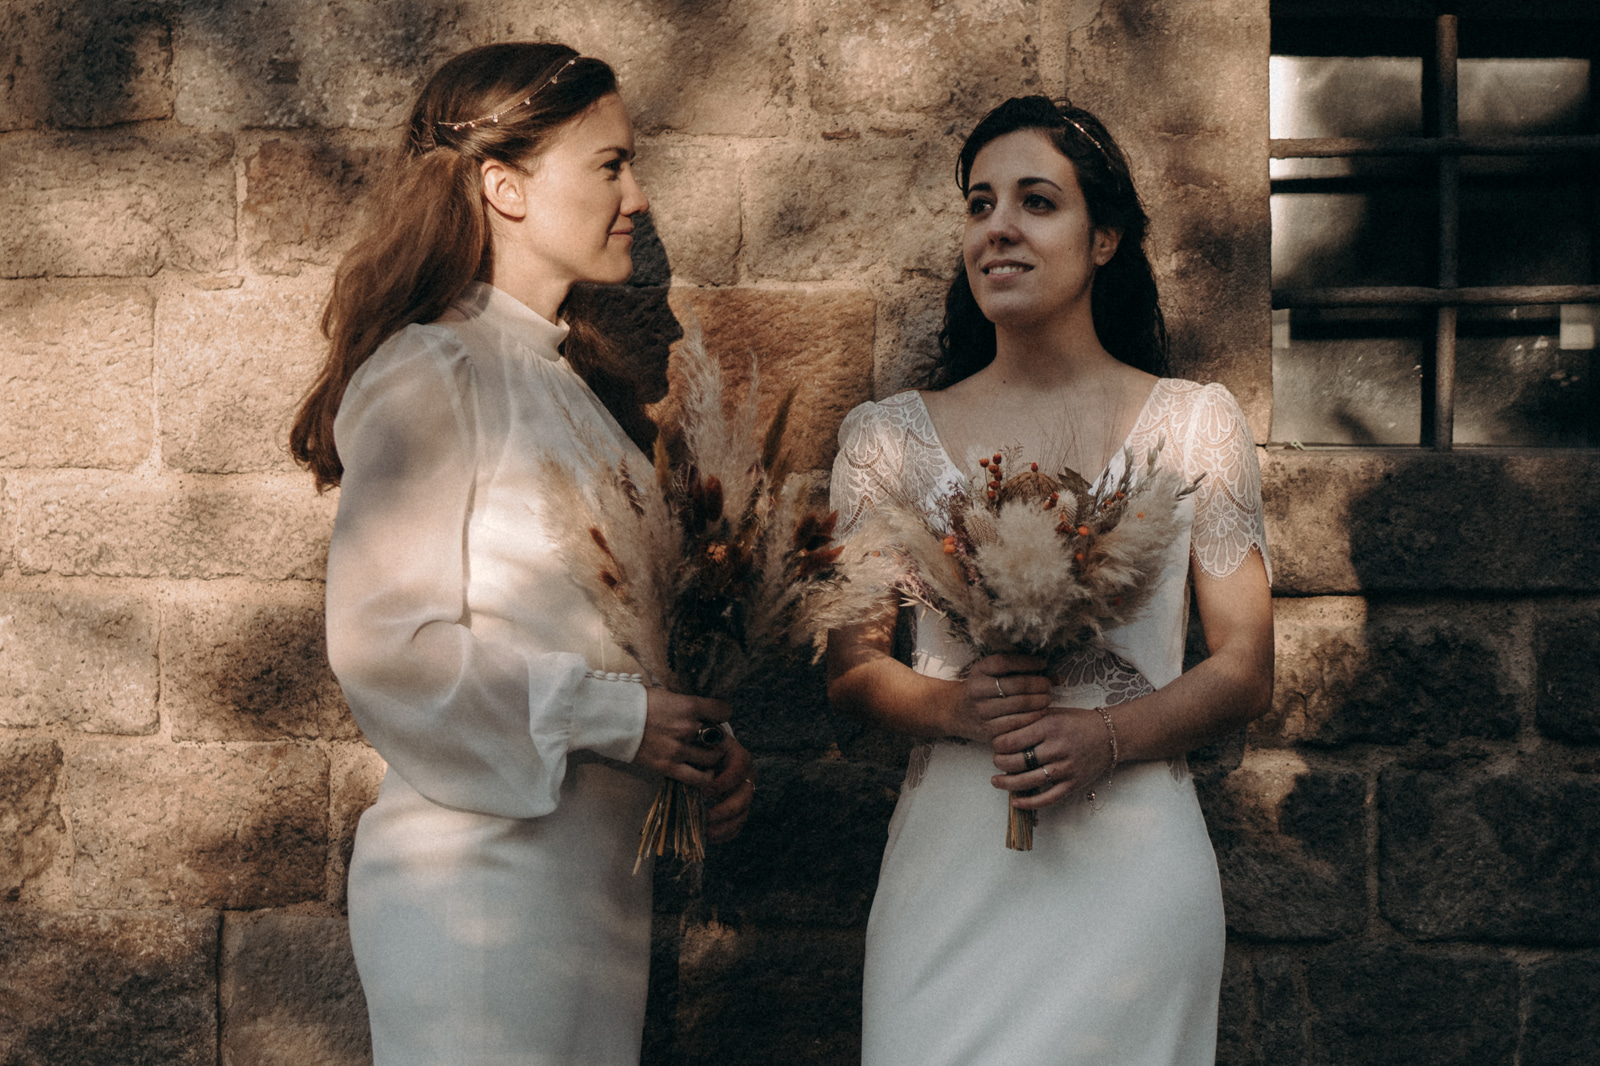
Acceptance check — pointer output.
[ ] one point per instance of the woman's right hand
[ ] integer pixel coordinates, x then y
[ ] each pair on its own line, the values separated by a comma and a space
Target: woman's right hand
1001, 693
670, 745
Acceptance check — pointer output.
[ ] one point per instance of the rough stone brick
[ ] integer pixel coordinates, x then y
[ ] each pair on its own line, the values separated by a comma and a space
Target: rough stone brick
83, 64
1567, 650
1377, 1005
953, 59
8, 526
819, 342
120, 202
1563, 1012
30, 816
79, 658
356, 776
231, 368
811, 850
290, 995
251, 667
772, 996
97, 989
1404, 521
198, 827
302, 201
298, 63
891, 207
1280, 1035
1234, 1010
1195, 147
77, 382
1501, 858
909, 317
717, 67
275, 528
694, 215
1291, 848
1389, 674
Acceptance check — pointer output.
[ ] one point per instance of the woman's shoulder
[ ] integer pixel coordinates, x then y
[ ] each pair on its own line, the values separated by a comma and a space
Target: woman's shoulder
1206, 408
892, 414
416, 347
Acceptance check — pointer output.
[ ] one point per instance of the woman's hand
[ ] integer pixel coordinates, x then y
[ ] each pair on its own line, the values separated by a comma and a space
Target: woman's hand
671, 745
1000, 694
730, 792
1073, 749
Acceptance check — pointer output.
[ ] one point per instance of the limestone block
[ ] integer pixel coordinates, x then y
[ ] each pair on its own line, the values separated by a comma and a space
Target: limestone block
820, 342
123, 202
1347, 672
1392, 520
298, 63
357, 773
909, 317
1196, 150
198, 827
1564, 1013
840, 208
290, 994
77, 382
1291, 846
1396, 1005
303, 199
231, 367
951, 59
718, 67
31, 825
84, 65
694, 214
274, 528
782, 997
101, 988
78, 657
1501, 858
252, 666
8, 526
1567, 649
811, 850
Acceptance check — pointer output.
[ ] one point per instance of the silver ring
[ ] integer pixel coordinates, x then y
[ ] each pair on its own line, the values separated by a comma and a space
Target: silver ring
710, 734
1047, 781
1030, 759
998, 689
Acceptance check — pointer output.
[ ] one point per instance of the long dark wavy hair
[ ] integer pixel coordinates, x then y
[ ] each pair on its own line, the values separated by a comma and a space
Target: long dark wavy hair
1124, 301
426, 236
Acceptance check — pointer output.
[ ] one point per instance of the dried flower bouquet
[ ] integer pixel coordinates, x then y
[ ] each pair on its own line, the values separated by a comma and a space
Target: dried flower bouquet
708, 571
1037, 564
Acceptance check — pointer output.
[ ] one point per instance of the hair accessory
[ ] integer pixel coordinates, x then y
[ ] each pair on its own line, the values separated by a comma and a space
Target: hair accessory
1075, 124
494, 118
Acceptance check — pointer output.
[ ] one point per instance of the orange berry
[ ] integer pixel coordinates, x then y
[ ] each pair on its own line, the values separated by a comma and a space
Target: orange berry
1141, 514
1079, 557
1083, 531
1034, 467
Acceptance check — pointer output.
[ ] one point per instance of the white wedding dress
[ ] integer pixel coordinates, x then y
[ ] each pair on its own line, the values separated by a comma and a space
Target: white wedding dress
1103, 945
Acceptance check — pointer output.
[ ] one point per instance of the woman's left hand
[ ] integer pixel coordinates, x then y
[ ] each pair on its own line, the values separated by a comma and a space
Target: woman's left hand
1073, 748
730, 792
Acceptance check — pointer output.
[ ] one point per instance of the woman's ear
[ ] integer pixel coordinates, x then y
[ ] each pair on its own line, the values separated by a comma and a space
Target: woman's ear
1106, 242
505, 188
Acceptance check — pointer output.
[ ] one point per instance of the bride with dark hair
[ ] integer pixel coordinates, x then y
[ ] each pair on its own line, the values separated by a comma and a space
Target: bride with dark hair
1102, 945
494, 911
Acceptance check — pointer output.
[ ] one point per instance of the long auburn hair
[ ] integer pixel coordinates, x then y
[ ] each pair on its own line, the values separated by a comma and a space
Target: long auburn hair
426, 235
1124, 301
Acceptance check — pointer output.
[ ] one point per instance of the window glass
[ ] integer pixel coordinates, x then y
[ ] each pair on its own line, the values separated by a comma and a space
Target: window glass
1515, 384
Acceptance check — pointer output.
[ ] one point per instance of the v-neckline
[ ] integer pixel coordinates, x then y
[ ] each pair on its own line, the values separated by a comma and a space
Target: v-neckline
961, 475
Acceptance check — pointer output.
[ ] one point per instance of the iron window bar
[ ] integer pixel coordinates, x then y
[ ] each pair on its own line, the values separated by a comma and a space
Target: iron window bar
1447, 147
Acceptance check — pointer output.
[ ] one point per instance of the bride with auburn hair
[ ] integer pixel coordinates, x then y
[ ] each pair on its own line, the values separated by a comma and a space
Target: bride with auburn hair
494, 911
1103, 944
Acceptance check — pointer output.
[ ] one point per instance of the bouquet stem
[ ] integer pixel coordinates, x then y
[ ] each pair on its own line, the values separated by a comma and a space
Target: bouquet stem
1019, 828
678, 816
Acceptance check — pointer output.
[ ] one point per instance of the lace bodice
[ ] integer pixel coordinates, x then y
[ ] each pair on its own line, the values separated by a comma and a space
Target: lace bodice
890, 448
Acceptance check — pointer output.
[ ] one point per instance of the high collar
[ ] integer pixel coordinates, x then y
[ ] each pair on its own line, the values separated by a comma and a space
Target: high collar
515, 319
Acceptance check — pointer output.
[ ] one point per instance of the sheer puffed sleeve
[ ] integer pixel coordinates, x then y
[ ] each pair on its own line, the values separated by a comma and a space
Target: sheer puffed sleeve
1228, 519
885, 448
468, 722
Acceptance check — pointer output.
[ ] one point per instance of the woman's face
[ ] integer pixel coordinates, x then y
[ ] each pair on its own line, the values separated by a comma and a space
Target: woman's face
1029, 247
577, 199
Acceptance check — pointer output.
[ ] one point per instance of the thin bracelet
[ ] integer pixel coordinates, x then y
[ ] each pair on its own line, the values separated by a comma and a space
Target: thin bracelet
1111, 730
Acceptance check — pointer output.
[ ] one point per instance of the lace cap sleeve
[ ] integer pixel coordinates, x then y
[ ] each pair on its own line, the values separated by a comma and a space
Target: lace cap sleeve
1228, 520
866, 452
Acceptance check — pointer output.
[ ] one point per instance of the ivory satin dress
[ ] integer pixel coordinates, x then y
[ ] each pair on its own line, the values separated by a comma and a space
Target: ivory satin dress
1103, 945
494, 913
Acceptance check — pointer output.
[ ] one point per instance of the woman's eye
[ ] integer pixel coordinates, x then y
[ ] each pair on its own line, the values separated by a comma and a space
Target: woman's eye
615, 166
977, 207
1038, 203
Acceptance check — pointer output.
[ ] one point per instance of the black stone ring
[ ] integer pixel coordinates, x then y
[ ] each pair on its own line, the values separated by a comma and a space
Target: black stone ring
1030, 758
710, 734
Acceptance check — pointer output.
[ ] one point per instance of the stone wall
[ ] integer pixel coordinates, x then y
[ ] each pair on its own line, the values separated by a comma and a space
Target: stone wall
1408, 842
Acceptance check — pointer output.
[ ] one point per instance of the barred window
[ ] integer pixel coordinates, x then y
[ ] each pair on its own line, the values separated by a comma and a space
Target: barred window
1435, 225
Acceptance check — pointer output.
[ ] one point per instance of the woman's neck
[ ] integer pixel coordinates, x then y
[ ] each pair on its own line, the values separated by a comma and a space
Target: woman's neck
1059, 355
